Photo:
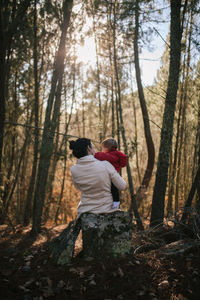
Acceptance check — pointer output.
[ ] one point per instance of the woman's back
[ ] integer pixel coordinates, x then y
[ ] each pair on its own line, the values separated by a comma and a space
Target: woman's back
93, 178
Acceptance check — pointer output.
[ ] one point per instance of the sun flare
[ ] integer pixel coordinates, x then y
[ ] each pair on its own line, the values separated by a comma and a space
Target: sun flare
86, 53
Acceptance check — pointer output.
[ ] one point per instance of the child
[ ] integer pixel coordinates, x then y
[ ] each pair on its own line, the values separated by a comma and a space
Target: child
117, 159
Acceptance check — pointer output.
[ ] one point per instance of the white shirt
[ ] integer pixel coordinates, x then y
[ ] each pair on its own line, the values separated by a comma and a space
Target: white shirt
93, 178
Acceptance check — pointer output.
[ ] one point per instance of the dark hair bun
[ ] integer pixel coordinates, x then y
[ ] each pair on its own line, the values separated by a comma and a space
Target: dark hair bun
72, 145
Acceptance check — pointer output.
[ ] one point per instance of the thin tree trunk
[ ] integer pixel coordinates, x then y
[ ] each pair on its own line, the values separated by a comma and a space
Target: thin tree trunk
136, 135
56, 157
50, 125
98, 75
149, 141
198, 141
158, 201
170, 199
105, 115
13, 145
194, 188
62, 186
28, 201
7, 204
51, 177
109, 20
7, 29
131, 188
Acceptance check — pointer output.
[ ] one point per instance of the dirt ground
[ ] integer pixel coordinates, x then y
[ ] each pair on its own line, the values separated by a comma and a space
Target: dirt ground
28, 273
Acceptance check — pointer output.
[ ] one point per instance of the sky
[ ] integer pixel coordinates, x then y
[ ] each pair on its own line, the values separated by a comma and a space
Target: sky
149, 59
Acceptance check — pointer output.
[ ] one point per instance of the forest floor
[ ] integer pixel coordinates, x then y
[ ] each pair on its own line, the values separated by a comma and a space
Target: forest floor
28, 273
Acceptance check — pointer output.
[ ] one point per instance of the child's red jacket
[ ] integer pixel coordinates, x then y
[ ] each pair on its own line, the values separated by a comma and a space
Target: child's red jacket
115, 157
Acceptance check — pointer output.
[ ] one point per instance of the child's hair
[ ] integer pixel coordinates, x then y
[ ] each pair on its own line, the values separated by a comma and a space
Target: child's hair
110, 143
80, 147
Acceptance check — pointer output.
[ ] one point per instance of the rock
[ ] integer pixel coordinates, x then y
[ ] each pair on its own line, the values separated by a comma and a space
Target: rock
106, 235
62, 247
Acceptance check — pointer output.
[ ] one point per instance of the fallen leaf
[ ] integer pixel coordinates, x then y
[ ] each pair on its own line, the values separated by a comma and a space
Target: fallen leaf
91, 277
47, 292
29, 257
141, 293
120, 297
172, 270
92, 282
21, 287
28, 283
121, 273
61, 284
163, 284
69, 287
49, 282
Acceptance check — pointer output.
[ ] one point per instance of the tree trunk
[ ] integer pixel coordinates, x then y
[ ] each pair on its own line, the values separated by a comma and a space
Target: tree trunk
194, 188
109, 20
149, 141
62, 185
122, 129
98, 75
8, 25
136, 130
158, 201
28, 201
50, 124
51, 177
13, 117
7, 204
198, 139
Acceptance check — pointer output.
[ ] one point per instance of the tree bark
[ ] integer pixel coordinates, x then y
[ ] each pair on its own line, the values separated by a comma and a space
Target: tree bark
28, 201
158, 201
7, 204
98, 74
133, 205
194, 188
149, 141
46, 149
6, 34
62, 185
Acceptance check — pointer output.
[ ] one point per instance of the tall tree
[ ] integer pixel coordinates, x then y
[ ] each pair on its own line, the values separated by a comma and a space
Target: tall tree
176, 29
133, 205
11, 16
149, 141
46, 149
28, 202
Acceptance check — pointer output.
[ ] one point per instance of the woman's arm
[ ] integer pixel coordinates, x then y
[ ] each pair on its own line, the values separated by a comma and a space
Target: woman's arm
75, 184
116, 179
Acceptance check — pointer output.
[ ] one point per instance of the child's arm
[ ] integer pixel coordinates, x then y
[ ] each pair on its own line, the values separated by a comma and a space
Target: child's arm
103, 156
122, 159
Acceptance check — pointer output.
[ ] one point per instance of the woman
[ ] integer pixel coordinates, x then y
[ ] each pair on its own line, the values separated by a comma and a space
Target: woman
93, 178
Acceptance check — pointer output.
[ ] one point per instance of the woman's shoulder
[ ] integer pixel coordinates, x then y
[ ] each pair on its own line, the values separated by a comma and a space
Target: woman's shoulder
73, 168
106, 165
